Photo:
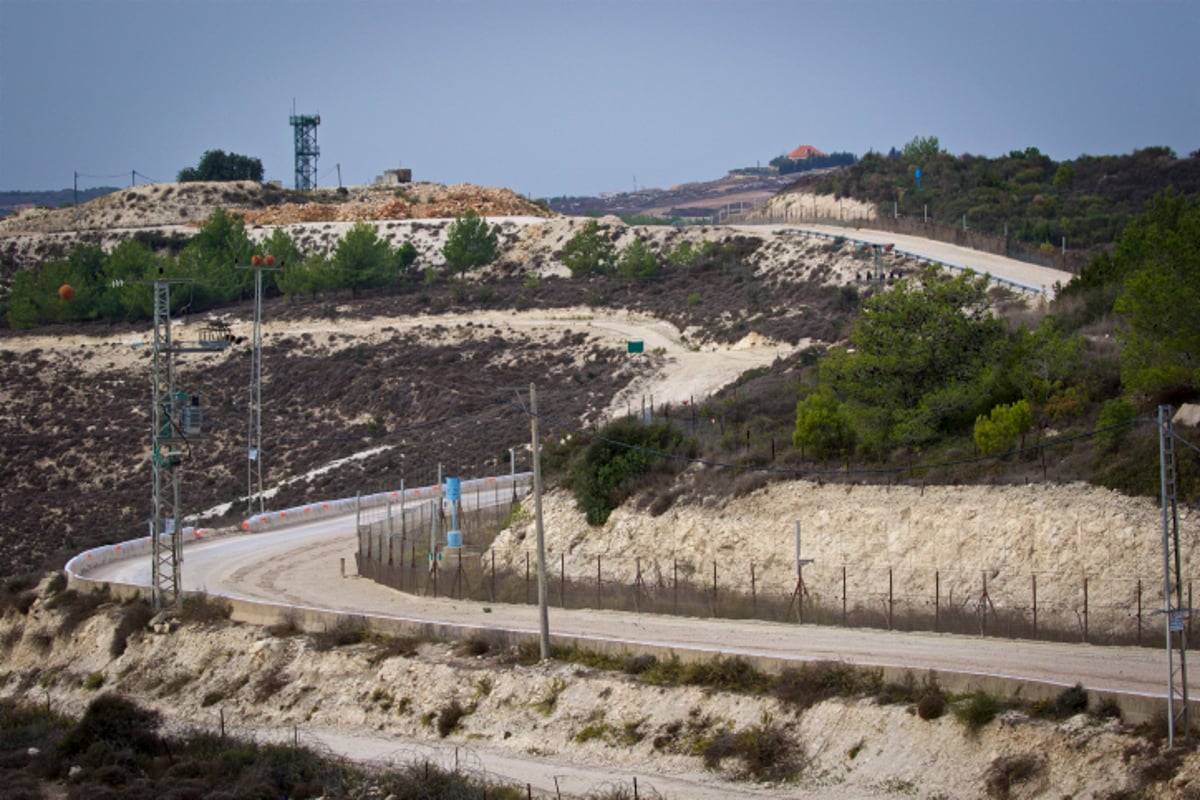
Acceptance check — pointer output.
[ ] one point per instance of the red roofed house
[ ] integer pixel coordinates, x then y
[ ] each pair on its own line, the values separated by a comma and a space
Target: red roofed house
805, 151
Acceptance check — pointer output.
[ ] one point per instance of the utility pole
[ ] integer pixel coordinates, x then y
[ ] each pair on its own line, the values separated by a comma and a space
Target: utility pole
175, 421
254, 452
1173, 608
543, 608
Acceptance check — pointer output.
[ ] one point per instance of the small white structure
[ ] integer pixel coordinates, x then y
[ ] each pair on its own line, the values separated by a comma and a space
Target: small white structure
394, 177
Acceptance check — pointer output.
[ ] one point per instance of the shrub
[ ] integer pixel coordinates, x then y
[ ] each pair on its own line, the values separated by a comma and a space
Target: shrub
931, 706
608, 471
205, 610
727, 675
636, 665
449, 717
1071, 701
810, 684
764, 750
978, 709
114, 721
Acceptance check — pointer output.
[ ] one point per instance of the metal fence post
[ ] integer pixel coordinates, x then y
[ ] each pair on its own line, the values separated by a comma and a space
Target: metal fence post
843, 595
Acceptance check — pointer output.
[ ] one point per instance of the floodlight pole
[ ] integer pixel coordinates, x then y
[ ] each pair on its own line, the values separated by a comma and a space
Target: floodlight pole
254, 452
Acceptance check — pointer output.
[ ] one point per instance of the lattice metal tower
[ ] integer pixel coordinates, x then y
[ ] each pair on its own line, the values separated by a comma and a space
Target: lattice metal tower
175, 417
305, 128
1174, 609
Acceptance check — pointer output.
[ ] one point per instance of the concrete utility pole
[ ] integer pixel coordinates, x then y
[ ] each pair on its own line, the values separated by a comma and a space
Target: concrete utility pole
543, 608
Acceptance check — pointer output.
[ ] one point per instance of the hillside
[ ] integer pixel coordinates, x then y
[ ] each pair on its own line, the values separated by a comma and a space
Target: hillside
414, 369
1036, 200
699, 201
13, 201
564, 728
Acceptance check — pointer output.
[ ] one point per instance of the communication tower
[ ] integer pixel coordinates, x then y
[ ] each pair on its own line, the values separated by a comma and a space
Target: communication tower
305, 128
176, 423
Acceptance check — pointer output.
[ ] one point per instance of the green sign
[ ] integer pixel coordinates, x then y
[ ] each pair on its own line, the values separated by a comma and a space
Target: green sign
635, 346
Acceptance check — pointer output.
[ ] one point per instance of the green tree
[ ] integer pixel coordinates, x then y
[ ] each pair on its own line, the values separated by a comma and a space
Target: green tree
471, 243
1045, 361
1113, 424
212, 258
922, 358
637, 261
309, 276
823, 425
287, 254
997, 431
609, 469
921, 148
362, 260
121, 297
1159, 253
217, 165
406, 255
589, 252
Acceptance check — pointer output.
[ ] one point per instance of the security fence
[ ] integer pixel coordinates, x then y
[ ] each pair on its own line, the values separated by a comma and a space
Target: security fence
1039, 605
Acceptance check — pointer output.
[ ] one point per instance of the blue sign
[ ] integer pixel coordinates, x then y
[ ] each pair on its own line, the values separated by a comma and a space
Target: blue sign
918, 174
453, 489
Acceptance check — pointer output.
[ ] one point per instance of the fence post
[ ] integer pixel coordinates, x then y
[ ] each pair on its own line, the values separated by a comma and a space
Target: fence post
389, 532
492, 594
753, 592
890, 598
714, 603
637, 587
598, 563
675, 582
1139, 612
983, 601
1033, 578
527, 577
1085, 609
843, 595
937, 601
562, 579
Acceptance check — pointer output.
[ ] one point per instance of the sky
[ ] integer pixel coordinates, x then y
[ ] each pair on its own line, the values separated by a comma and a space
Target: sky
578, 97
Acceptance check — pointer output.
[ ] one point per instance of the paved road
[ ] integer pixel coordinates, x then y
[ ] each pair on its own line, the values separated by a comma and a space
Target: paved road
302, 566
1029, 276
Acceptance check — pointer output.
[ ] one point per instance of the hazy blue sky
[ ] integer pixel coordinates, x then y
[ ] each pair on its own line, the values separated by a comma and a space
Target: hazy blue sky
552, 98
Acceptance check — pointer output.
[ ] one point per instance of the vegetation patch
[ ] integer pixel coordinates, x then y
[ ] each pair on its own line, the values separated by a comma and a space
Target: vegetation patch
763, 752
977, 709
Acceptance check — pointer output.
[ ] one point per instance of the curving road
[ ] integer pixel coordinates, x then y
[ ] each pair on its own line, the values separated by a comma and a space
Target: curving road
1031, 277
301, 566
